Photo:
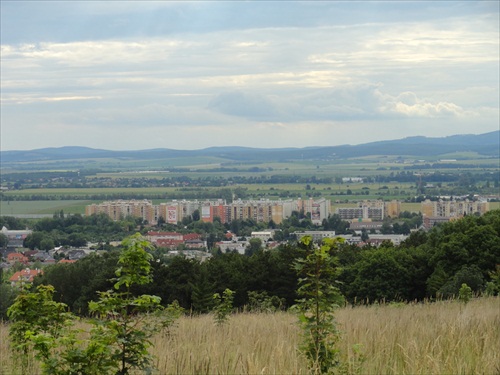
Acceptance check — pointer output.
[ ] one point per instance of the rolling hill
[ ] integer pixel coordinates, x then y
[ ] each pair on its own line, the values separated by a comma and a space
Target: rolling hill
487, 144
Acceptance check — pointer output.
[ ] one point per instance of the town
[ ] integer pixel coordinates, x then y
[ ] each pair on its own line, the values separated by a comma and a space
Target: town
369, 222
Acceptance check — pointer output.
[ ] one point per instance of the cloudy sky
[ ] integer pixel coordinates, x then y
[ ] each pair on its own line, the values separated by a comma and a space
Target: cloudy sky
190, 75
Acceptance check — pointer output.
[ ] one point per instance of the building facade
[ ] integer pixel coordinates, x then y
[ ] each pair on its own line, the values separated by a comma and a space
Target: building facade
262, 210
453, 208
370, 210
120, 209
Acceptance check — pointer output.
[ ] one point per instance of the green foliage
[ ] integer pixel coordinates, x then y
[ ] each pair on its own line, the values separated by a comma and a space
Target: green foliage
39, 325
255, 244
465, 293
471, 276
381, 274
4, 240
7, 297
318, 272
493, 286
76, 230
122, 327
134, 263
202, 292
125, 325
78, 283
223, 306
262, 302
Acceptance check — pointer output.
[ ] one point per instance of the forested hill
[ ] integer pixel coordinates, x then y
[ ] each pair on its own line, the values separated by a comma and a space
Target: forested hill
487, 144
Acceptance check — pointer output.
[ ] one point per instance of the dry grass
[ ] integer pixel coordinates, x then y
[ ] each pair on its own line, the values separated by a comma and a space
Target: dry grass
248, 344
438, 338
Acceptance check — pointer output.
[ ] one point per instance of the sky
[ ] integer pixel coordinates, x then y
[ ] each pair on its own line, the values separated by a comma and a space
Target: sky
125, 75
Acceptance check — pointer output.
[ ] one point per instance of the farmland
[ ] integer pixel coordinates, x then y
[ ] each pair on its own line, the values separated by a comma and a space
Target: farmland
43, 186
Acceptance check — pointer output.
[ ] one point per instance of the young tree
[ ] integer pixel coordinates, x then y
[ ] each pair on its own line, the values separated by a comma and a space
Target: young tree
318, 272
38, 325
124, 324
120, 338
465, 293
223, 306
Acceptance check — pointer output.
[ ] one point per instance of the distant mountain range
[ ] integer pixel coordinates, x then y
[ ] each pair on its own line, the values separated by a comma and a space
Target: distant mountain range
487, 144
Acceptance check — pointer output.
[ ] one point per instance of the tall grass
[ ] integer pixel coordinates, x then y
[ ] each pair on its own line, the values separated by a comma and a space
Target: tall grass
445, 337
431, 338
247, 344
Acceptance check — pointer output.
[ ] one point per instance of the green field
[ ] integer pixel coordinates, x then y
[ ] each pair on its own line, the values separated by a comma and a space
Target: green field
205, 171
42, 207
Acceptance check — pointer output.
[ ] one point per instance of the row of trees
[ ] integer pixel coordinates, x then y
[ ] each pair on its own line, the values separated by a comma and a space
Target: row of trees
90, 179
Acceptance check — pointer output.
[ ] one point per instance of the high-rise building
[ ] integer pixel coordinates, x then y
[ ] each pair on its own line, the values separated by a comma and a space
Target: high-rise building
453, 208
173, 212
120, 209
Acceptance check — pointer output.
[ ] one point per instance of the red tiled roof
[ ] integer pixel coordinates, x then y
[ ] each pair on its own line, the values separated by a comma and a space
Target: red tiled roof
27, 275
191, 236
169, 242
16, 257
160, 234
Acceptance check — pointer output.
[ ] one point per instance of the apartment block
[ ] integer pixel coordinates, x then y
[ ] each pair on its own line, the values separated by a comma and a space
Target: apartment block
453, 208
370, 210
173, 212
319, 209
120, 209
317, 236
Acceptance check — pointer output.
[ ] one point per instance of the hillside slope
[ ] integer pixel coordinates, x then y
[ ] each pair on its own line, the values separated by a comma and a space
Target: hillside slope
487, 144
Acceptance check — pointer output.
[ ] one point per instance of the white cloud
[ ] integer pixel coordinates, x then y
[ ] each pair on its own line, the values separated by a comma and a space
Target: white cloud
336, 68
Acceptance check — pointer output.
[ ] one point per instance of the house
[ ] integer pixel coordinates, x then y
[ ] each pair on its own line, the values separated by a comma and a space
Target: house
30, 253
76, 254
15, 237
67, 261
169, 243
317, 235
232, 246
264, 235
17, 257
172, 240
230, 236
25, 276
195, 244
156, 237
41, 256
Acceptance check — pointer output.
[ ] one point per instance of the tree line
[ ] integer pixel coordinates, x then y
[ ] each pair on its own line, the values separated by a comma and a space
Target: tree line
427, 265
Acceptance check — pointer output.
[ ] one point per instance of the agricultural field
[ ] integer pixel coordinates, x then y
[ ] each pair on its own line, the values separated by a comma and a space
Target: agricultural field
19, 208
52, 185
446, 337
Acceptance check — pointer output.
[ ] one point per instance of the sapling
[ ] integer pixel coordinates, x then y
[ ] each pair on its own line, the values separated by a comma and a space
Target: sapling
465, 293
223, 306
317, 272
122, 326
126, 323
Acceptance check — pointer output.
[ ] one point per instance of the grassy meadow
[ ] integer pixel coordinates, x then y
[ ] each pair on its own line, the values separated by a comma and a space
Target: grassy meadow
445, 337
